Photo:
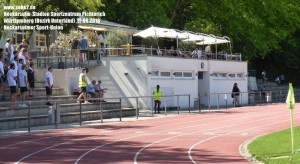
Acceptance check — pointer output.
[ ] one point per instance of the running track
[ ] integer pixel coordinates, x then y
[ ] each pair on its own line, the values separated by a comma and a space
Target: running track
207, 137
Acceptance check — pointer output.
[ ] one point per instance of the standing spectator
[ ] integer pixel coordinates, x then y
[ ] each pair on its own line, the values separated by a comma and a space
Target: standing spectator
82, 84
48, 84
12, 57
2, 74
30, 76
75, 47
11, 79
236, 95
281, 77
23, 55
83, 48
264, 75
9, 48
157, 93
23, 84
24, 45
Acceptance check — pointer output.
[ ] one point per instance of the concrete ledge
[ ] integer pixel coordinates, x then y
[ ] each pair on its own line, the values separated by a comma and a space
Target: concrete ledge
70, 117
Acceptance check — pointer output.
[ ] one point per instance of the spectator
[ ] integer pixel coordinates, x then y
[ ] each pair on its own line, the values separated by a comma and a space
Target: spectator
30, 76
157, 93
91, 88
23, 45
11, 79
281, 78
75, 47
23, 84
9, 48
23, 55
12, 57
100, 90
236, 95
179, 53
264, 76
2, 75
48, 84
83, 48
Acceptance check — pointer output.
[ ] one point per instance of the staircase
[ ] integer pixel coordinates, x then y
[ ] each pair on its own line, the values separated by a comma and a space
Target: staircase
37, 113
273, 92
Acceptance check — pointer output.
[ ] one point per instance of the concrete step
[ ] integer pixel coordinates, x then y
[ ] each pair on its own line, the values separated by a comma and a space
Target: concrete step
37, 99
9, 110
71, 117
37, 92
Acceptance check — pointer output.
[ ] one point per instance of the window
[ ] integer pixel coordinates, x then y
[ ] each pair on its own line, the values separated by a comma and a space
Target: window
182, 74
187, 74
40, 40
178, 74
231, 75
239, 75
155, 73
165, 74
18, 36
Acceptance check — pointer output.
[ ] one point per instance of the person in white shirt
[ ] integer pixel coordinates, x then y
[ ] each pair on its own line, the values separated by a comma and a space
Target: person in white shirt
23, 84
11, 79
22, 55
48, 84
9, 48
2, 77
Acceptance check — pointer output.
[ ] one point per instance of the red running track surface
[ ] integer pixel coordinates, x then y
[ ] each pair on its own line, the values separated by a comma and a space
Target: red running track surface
207, 137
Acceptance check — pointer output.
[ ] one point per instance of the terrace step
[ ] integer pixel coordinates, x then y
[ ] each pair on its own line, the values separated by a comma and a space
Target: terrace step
70, 117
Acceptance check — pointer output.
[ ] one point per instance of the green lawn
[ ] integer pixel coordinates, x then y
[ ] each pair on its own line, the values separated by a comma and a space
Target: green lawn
276, 148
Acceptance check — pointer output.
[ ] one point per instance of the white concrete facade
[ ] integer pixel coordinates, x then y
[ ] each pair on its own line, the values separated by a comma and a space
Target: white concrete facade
138, 75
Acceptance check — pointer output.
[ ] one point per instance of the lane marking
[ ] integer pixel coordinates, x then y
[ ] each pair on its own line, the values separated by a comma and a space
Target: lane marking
191, 148
136, 155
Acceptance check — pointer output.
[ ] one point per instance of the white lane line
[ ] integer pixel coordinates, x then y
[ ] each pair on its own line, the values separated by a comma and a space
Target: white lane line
2, 147
137, 154
104, 131
95, 137
207, 139
173, 130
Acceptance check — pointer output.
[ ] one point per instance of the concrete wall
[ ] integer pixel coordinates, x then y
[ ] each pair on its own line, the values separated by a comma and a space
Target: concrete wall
123, 76
62, 78
173, 85
225, 84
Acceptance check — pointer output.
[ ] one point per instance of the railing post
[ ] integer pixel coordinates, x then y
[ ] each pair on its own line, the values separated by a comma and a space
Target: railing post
151, 106
55, 115
101, 111
120, 110
177, 104
137, 108
29, 115
218, 101
208, 101
80, 112
189, 103
165, 105
199, 103
151, 50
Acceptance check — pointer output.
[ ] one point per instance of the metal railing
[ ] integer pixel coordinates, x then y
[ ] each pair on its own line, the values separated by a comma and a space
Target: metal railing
67, 58
69, 111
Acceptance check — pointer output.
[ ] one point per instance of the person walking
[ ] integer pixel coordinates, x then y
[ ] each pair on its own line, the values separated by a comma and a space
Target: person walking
157, 93
48, 85
82, 84
236, 95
